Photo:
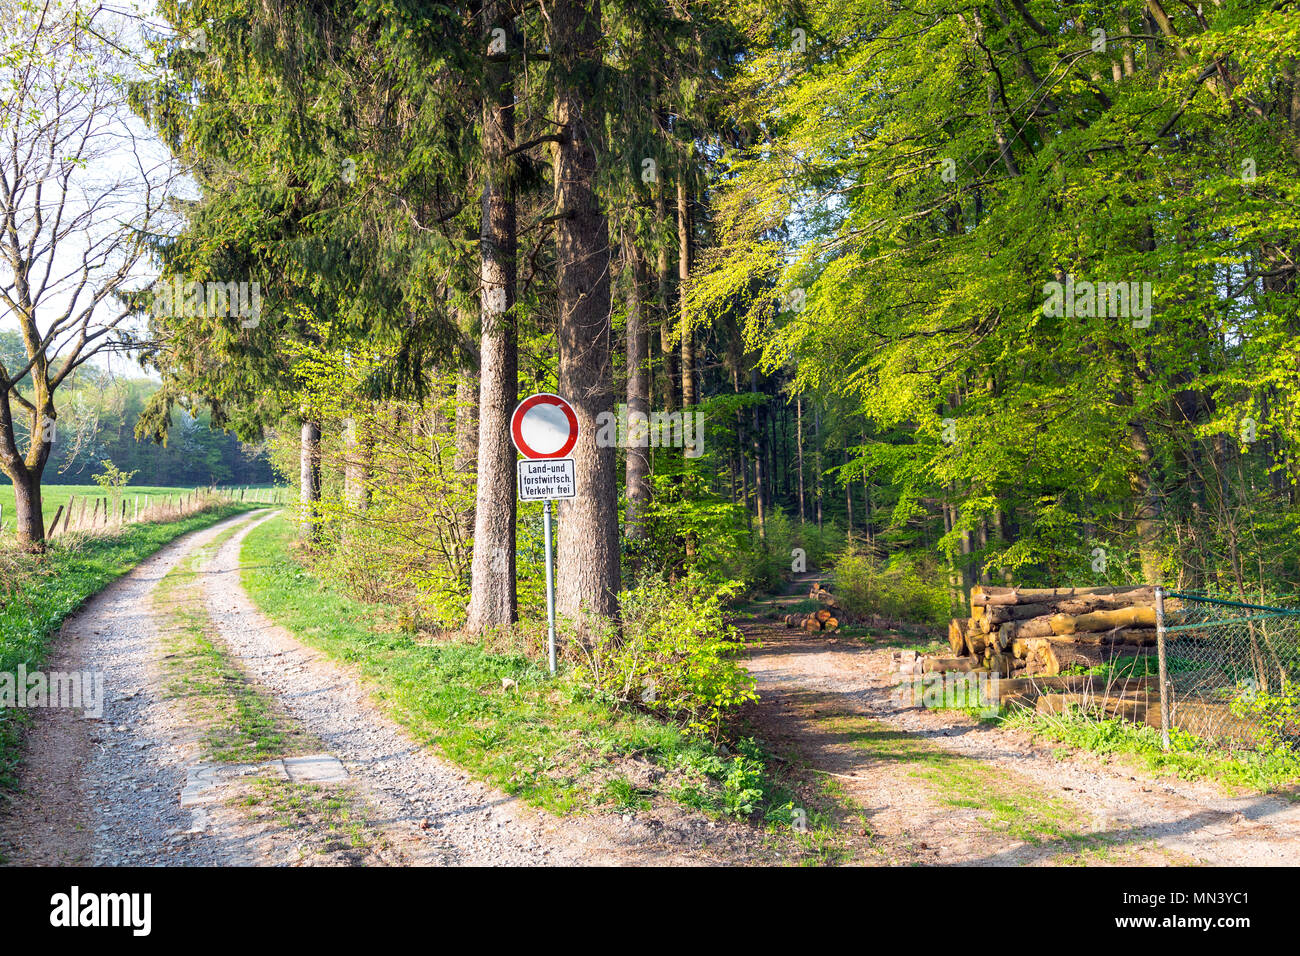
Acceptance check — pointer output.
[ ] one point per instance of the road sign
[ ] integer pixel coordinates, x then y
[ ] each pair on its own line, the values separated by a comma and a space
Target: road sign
544, 426
541, 479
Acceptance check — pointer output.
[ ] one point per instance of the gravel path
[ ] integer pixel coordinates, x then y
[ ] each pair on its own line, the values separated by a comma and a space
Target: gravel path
105, 792
108, 792
1195, 820
433, 812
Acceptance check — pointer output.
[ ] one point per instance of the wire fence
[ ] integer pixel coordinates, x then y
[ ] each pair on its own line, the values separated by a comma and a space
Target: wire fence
1230, 671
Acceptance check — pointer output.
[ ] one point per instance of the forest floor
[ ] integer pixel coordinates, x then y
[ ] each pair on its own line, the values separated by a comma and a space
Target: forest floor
911, 785
224, 740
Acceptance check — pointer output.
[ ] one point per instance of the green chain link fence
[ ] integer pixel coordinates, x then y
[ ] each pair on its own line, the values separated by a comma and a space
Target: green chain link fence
1231, 671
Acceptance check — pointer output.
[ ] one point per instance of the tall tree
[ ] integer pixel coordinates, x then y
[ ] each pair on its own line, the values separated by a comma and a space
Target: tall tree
493, 599
71, 237
588, 574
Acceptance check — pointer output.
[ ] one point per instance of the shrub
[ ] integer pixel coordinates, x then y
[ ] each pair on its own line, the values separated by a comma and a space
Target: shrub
675, 656
902, 588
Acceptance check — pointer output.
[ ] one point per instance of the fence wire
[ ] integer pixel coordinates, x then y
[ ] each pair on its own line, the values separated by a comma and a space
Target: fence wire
1233, 671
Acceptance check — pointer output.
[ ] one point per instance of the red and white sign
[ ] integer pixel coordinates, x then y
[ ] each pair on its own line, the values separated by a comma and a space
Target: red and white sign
544, 426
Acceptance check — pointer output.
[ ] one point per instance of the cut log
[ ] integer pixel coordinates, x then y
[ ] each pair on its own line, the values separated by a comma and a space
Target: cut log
1034, 627
1139, 615
976, 643
1003, 595
939, 665
1125, 707
1137, 636
1005, 613
1058, 655
825, 597
823, 616
831, 624
957, 636
810, 623
1002, 664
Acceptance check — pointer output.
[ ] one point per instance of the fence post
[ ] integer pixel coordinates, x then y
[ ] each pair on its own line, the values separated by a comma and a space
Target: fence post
1164, 673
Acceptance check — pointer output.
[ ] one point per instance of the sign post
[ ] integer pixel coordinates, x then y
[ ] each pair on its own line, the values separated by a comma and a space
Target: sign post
550, 586
544, 429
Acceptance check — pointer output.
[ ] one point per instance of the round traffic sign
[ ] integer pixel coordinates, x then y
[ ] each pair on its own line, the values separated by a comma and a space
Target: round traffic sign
544, 426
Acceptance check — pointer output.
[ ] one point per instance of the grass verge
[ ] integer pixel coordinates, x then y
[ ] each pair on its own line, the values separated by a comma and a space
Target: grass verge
551, 742
37, 592
1189, 758
240, 721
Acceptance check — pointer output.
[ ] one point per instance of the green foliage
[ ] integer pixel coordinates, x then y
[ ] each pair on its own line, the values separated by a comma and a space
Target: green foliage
113, 479
924, 222
675, 655
1274, 716
1189, 756
901, 588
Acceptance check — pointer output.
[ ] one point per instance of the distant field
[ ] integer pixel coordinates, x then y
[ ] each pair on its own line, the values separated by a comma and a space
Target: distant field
54, 495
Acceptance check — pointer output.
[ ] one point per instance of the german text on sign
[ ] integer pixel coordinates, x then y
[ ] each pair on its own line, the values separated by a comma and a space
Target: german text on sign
543, 478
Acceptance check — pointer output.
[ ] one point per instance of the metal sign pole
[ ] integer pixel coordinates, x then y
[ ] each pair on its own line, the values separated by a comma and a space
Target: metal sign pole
550, 585
1164, 672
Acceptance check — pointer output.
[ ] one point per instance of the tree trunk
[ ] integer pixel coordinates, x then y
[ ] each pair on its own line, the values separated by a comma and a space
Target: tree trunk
493, 601
25, 472
637, 478
689, 398
672, 382
309, 482
588, 572
356, 455
1147, 506
760, 487
817, 464
27, 507
798, 412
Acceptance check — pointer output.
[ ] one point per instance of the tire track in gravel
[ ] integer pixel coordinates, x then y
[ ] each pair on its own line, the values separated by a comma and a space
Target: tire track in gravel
106, 791
430, 810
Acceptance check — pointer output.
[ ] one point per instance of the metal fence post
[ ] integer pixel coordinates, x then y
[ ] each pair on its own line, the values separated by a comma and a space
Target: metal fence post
1164, 673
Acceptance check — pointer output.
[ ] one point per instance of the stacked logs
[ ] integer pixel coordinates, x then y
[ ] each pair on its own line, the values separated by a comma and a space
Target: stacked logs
826, 618
1026, 632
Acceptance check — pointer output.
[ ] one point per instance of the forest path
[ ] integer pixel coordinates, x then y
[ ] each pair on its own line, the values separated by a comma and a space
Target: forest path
942, 788
141, 785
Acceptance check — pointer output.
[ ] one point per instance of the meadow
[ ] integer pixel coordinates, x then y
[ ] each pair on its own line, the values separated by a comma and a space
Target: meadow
52, 496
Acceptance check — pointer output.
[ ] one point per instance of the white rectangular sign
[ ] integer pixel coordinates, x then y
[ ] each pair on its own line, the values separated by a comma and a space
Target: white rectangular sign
542, 478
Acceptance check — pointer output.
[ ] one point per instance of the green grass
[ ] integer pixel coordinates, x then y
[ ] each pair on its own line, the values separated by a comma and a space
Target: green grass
549, 741
240, 721
37, 592
1007, 802
1189, 757
54, 495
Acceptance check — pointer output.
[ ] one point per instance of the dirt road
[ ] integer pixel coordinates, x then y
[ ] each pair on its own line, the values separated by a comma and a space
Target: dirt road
940, 787
135, 787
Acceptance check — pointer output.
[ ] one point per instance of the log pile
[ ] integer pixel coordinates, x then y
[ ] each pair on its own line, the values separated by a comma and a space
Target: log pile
1032, 632
826, 618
